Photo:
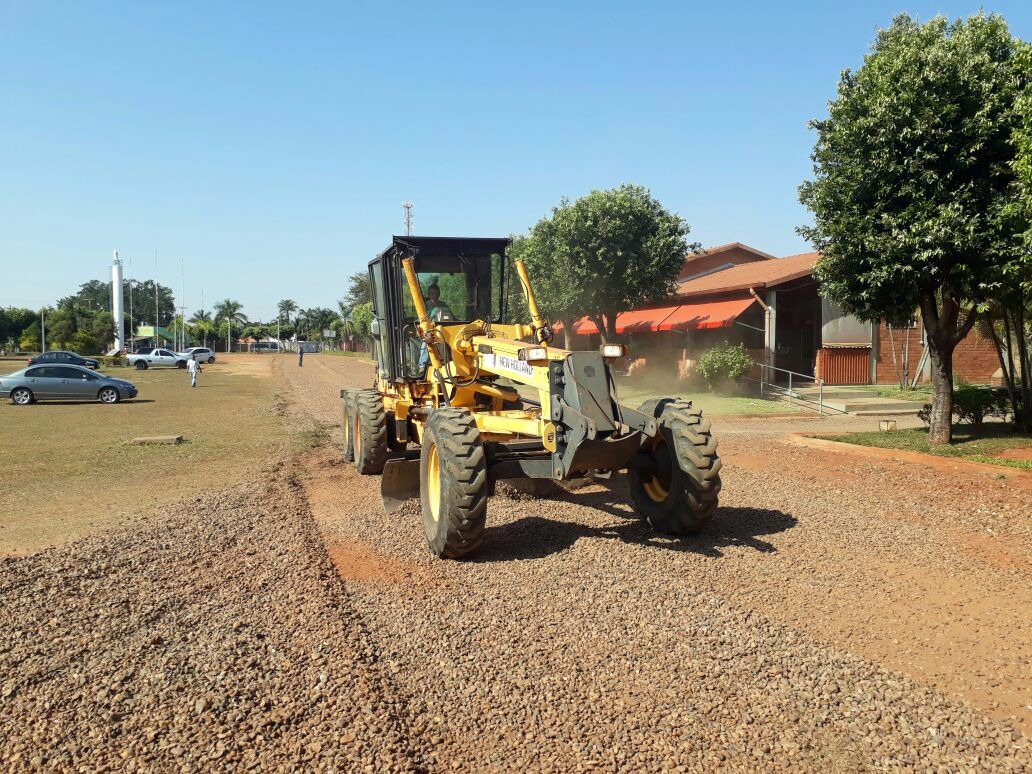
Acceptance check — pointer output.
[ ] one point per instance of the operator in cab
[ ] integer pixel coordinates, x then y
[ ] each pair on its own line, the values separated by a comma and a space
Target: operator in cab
439, 311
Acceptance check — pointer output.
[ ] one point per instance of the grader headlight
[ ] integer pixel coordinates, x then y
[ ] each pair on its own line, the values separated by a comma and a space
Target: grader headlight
613, 350
530, 354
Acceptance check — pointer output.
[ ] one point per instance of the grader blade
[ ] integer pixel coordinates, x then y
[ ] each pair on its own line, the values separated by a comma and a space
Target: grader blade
399, 484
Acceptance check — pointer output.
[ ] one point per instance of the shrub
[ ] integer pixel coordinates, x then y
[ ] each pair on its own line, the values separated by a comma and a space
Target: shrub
724, 363
972, 405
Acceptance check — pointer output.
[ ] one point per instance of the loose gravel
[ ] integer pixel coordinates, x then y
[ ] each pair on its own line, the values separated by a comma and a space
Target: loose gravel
305, 629
215, 636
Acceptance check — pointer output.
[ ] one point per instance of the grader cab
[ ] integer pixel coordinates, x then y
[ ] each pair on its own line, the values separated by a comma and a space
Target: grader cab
462, 400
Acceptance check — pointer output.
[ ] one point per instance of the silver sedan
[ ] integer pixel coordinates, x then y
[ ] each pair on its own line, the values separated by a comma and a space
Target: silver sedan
63, 382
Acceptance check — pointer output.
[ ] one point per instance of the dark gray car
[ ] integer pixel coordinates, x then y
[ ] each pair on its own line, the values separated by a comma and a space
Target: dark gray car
63, 382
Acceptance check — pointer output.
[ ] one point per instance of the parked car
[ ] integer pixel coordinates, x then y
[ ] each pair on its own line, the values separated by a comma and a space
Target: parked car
64, 358
200, 354
158, 357
144, 350
63, 382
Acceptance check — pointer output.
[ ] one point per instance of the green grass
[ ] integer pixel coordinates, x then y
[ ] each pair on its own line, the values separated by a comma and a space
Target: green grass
968, 443
633, 393
69, 468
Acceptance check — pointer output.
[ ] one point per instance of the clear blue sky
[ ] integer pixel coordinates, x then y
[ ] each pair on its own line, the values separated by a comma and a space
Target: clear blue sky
269, 146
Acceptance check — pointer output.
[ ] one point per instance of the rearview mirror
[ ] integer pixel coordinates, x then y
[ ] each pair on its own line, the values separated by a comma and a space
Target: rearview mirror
374, 327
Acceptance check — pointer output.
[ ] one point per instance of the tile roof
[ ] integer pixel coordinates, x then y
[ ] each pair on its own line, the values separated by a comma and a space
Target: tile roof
707, 251
759, 274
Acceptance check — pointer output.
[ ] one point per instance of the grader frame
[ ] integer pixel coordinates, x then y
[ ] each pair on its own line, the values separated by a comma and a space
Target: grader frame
446, 418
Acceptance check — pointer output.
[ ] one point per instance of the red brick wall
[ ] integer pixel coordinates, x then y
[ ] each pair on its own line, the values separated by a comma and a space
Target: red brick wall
886, 374
974, 359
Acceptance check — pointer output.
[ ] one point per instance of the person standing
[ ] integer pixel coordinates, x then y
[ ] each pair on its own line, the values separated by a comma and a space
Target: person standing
300, 355
194, 368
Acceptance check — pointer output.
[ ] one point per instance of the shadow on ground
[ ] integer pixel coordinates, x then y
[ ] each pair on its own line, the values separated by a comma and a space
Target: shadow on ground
536, 537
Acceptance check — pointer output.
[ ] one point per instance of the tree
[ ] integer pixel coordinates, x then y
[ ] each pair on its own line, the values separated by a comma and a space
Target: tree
29, 338
229, 314
286, 307
102, 328
605, 253
202, 325
912, 176
358, 289
1011, 315
13, 323
362, 319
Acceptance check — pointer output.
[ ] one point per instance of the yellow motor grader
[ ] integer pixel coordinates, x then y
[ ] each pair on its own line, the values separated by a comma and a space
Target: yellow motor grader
462, 401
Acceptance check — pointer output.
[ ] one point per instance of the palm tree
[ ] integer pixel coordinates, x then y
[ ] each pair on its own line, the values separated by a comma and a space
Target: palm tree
201, 321
286, 307
228, 311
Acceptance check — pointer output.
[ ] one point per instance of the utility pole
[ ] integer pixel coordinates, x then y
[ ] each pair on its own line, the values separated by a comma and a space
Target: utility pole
182, 328
182, 272
156, 299
132, 320
408, 217
43, 328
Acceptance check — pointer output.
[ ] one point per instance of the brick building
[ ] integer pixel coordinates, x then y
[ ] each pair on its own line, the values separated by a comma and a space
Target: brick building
773, 306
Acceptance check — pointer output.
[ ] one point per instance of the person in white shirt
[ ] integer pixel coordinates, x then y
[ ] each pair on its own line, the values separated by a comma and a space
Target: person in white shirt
194, 368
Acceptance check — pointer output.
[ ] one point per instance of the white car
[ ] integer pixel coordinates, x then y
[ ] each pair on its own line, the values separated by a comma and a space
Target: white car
200, 354
158, 357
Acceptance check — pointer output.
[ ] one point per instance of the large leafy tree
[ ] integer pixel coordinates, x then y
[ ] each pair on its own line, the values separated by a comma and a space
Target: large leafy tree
1011, 314
13, 323
95, 296
912, 177
358, 289
603, 254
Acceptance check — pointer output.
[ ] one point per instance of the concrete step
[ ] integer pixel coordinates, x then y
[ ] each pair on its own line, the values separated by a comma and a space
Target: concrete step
833, 393
875, 405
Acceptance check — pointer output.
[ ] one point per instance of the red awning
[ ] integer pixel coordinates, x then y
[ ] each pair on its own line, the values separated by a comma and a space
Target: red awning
713, 314
635, 321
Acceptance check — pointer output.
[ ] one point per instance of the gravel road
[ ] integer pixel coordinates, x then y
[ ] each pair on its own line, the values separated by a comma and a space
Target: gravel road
833, 617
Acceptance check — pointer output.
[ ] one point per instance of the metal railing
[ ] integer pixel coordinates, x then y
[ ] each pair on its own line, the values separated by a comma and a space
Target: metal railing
767, 384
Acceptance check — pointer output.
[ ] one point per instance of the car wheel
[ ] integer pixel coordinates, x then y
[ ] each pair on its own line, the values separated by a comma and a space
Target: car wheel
22, 397
141, 365
211, 360
109, 395
180, 364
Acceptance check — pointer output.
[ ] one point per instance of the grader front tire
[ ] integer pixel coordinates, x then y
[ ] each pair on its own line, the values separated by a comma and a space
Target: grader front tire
369, 431
349, 440
678, 494
453, 483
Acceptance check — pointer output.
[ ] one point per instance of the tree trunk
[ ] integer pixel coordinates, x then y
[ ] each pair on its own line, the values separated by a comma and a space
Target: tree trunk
610, 327
940, 426
567, 333
601, 325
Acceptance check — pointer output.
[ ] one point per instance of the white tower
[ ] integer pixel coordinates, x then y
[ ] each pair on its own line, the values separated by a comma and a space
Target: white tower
116, 304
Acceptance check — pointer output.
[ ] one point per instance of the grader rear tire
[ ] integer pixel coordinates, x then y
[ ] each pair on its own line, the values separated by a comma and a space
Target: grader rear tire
369, 431
453, 483
679, 493
349, 440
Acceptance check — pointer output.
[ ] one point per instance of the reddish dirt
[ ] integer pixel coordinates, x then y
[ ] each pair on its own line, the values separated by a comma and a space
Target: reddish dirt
1023, 453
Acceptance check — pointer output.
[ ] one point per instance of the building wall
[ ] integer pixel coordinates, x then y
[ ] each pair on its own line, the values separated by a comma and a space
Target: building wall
699, 264
974, 359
